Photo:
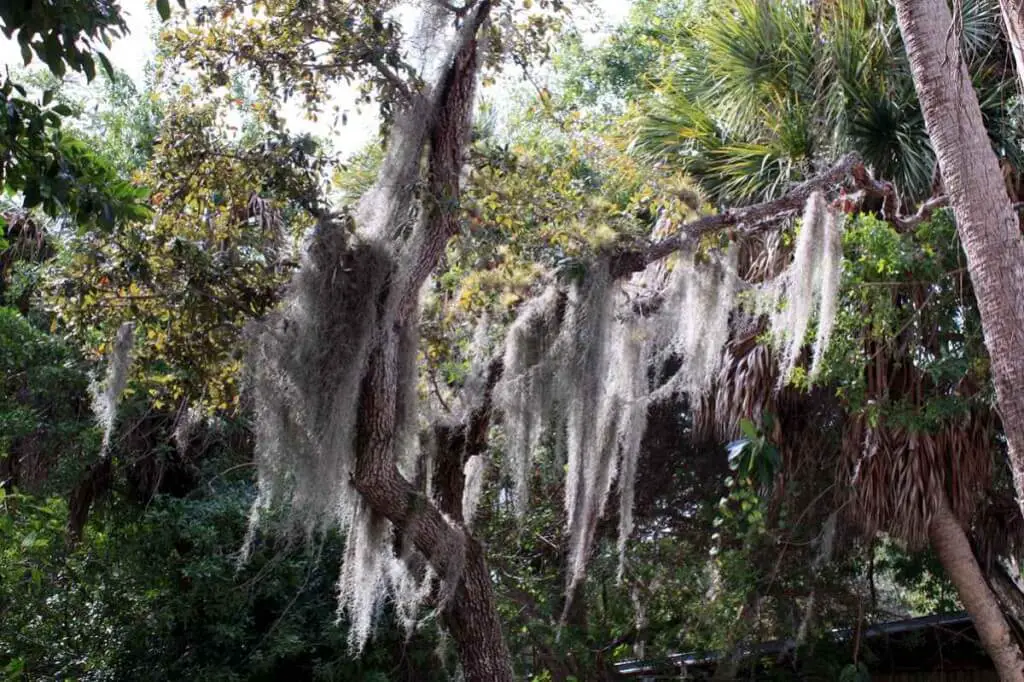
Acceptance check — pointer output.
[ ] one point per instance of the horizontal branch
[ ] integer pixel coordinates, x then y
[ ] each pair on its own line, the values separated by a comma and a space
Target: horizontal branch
848, 170
745, 219
924, 212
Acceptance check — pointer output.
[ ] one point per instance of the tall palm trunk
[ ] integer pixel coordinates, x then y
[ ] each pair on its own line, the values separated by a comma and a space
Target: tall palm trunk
991, 238
954, 550
985, 216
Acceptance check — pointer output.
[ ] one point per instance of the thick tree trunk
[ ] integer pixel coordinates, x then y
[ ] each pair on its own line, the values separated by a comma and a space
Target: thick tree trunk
985, 217
954, 550
470, 610
467, 598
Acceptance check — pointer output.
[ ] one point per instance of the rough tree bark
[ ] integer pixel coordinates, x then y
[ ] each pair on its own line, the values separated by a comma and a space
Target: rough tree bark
951, 544
986, 220
470, 612
991, 238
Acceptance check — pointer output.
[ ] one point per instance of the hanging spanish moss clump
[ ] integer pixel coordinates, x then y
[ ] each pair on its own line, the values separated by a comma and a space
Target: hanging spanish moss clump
809, 285
579, 362
597, 385
693, 326
576, 363
635, 348
410, 589
106, 396
364, 572
475, 472
831, 277
185, 425
305, 367
526, 393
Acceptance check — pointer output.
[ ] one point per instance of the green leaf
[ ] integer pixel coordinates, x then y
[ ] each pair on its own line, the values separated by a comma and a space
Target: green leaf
89, 66
47, 97
748, 428
164, 8
53, 54
736, 449
107, 66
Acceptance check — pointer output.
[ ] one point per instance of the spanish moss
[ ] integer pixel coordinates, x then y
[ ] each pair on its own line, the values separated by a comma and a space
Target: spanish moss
106, 396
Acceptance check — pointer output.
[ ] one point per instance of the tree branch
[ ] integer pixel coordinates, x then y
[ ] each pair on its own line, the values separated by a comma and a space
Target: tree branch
746, 219
457, 442
449, 132
469, 610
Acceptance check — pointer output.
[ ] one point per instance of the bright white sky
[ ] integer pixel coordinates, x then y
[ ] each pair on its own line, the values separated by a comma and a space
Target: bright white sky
134, 52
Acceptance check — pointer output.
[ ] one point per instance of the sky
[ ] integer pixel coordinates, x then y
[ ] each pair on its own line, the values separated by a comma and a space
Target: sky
134, 52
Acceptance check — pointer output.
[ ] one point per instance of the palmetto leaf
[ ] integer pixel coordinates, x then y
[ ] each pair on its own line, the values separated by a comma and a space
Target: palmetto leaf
763, 93
757, 52
980, 30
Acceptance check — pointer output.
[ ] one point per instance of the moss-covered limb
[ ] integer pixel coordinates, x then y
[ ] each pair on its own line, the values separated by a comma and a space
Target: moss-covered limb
450, 124
470, 609
849, 170
457, 442
467, 595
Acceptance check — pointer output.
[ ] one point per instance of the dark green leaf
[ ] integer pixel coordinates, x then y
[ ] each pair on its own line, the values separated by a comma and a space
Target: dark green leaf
32, 194
164, 8
89, 66
107, 66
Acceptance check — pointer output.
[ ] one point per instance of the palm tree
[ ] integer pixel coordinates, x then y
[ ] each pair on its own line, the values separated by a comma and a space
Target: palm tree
764, 94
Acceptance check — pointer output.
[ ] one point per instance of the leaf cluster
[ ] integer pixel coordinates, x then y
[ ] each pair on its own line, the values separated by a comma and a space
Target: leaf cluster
760, 95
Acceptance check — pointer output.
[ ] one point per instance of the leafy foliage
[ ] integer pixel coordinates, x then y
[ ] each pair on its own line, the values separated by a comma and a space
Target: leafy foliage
44, 417
213, 257
765, 94
156, 594
64, 35
48, 168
